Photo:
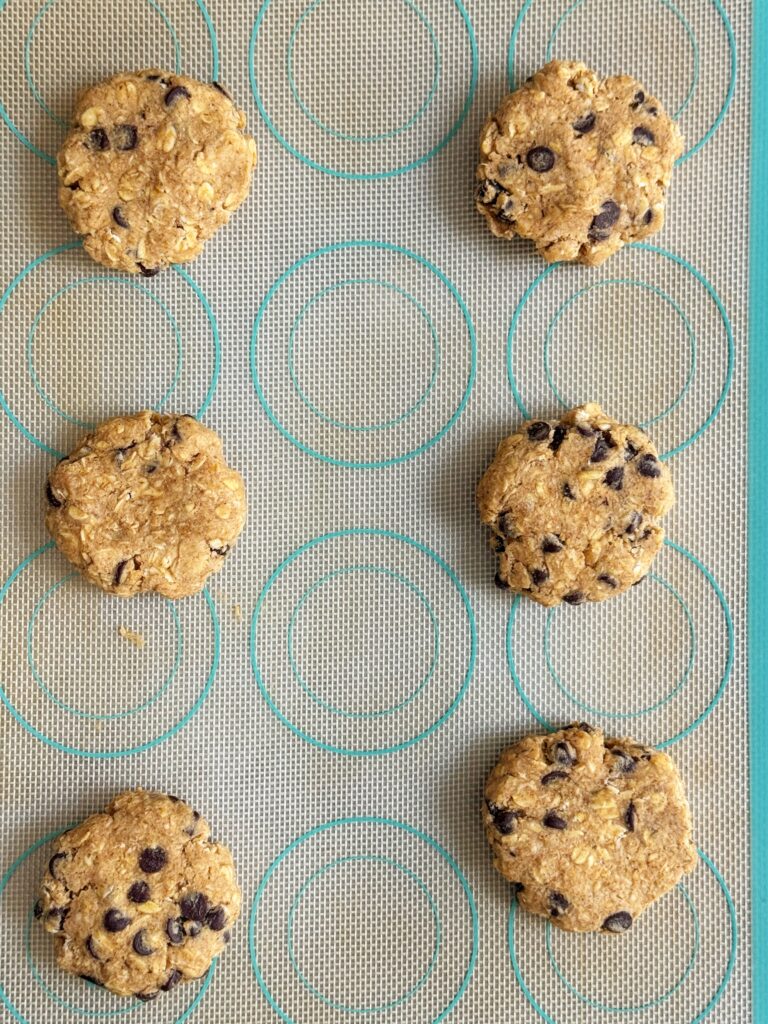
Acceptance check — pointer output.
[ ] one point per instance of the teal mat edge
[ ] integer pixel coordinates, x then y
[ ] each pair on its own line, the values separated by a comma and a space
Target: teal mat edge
757, 490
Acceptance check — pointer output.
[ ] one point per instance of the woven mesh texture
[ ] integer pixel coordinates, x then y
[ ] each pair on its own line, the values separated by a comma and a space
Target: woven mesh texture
362, 343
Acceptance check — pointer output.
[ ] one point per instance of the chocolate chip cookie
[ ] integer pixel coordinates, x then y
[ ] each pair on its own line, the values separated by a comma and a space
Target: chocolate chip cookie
154, 164
146, 502
575, 507
576, 163
139, 898
589, 830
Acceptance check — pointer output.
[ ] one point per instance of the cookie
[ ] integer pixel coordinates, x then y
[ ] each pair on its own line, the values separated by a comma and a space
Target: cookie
139, 898
578, 164
154, 164
575, 507
146, 502
589, 831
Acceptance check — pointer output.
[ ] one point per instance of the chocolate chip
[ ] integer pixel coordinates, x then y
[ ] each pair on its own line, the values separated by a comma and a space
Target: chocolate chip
507, 526
90, 947
216, 918
221, 551
139, 944
614, 478
119, 217
117, 575
568, 493
540, 159
500, 582
638, 100
138, 892
52, 499
146, 997
53, 862
115, 920
505, 821
584, 124
148, 271
648, 216
630, 451
574, 597
624, 761
539, 576
609, 581
98, 139
125, 137
152, 859
635, 519
538, 431
601, 224
57, 916
194, 906
558, 437
642, 136
586, 727
630, 817
585, 431
222, 90
551, 544
600, 451
653, 110
191, 830
178, 92
487, 191
552, 820
173, 979
553, 777
648, 465
193, 928
505, 207
558, 903
498, 545
155, 78
174, 931
608, 438
564, 753
38, 911
618, 922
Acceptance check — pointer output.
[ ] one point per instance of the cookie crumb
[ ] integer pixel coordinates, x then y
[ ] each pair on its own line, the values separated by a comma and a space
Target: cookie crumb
131, 636
237, 611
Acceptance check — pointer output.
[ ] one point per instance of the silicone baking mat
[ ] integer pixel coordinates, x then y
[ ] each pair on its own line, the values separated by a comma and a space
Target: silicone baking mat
335, 698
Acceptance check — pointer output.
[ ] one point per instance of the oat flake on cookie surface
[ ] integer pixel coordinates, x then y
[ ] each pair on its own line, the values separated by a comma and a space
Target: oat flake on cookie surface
578, 164
153, 165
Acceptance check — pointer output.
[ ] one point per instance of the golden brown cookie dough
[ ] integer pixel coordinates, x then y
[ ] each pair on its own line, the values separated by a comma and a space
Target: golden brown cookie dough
590, 831
575, 507
155, 163
146, 502
139, 898
576, 163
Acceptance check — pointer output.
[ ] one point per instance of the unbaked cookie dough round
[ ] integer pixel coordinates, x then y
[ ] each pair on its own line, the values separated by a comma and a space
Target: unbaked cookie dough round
575, 507
578, 164
154, 164
139, 898
589, 830
146, 502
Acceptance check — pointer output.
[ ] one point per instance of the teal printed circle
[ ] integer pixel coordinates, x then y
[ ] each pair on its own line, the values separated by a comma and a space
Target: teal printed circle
88, 714
676, 689
527, 701
659, 1000
353, 175
733, 61
40, 101
100, 278
140, 748
254, 353
129, 1008
381, 136
317, 297
680, 261
254, 645
408, 830
572, 299
418, 882
333, 708
69, 247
